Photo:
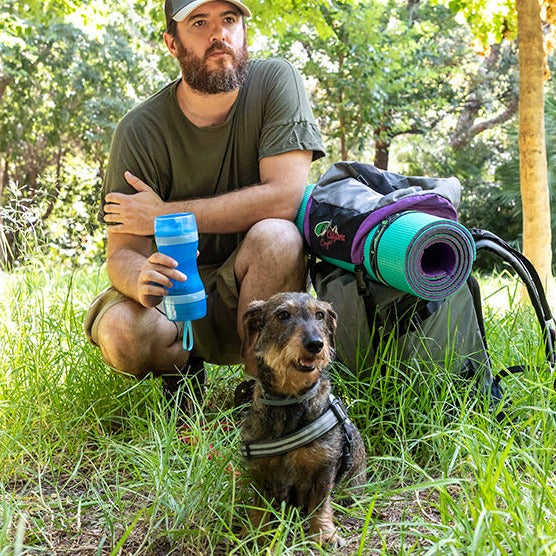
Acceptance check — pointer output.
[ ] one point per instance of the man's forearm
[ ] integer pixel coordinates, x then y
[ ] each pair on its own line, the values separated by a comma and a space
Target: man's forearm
124, 267
283, 180
237, 211
126, 255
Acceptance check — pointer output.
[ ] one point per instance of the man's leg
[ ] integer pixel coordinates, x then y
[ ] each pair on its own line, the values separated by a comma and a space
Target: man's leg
136, 340
270, 260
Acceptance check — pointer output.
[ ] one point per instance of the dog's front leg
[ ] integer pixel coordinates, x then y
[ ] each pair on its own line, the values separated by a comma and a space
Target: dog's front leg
258, 518
321, 524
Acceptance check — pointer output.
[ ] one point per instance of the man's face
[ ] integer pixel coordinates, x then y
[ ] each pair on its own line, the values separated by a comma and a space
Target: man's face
211, 48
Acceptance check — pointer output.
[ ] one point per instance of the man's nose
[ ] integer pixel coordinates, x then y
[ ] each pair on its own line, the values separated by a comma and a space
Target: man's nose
218, 33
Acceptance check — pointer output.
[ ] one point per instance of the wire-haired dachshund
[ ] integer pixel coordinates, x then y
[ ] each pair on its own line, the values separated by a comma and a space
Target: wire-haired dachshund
297, 439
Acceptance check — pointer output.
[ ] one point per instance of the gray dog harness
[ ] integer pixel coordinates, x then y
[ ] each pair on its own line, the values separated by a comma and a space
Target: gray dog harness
336, 414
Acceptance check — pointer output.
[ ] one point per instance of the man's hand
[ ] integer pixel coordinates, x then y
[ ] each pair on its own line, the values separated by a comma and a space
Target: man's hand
154, 279
133, 214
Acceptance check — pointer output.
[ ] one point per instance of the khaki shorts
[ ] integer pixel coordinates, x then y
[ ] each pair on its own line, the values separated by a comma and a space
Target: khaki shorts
216, 339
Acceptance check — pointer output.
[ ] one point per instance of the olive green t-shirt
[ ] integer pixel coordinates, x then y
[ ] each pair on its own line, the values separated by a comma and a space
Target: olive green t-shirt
179, 160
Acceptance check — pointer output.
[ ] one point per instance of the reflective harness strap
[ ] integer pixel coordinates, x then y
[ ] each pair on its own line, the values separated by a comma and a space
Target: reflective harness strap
334, 415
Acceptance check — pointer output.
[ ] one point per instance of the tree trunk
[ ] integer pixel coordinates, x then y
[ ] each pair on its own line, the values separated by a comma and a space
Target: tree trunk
58, 187
4, 82
382, 155
532, 149
344, 151
382, 147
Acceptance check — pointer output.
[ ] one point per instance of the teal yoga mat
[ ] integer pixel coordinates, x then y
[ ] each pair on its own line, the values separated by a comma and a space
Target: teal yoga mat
421, 254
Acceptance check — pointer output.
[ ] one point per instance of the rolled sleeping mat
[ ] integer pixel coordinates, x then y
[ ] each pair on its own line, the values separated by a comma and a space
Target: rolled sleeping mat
420, 254
412, 251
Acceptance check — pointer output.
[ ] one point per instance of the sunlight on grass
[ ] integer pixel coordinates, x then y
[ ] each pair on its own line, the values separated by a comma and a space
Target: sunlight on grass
503, 292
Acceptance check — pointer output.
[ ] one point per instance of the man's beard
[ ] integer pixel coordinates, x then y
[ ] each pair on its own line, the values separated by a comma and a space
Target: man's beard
213, 81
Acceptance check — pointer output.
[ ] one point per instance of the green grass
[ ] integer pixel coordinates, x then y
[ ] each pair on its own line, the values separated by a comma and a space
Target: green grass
94, 463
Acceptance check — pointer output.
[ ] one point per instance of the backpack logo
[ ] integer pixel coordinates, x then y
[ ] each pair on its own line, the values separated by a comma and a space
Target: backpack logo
328, 235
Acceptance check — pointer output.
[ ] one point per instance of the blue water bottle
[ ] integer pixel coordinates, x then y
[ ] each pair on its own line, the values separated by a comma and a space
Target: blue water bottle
176, 236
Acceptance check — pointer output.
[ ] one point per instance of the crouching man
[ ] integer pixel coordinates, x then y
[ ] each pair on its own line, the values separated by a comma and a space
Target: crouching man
231, 140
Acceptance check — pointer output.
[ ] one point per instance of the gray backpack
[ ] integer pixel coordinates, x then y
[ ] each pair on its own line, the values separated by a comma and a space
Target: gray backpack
379, 324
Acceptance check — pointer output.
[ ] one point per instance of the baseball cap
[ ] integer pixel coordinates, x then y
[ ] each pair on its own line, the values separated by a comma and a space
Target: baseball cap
179, 9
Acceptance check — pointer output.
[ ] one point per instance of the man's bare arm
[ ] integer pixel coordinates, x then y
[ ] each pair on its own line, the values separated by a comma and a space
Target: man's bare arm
137, 273
283, 181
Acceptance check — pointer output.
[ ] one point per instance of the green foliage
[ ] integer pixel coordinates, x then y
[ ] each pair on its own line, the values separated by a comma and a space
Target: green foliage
274, 18
66, 87
491, 22
14, 15
380, 70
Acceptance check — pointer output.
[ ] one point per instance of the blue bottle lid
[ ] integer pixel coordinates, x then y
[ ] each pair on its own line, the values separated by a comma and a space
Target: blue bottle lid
171, 225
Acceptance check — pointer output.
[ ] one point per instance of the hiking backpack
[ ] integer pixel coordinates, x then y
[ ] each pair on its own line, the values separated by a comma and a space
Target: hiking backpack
344, 217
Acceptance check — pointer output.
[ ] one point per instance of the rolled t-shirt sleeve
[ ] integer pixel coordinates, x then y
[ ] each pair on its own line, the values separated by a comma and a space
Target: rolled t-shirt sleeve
288, 119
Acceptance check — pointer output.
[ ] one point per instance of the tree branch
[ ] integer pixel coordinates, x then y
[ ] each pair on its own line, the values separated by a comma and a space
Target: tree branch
462, 140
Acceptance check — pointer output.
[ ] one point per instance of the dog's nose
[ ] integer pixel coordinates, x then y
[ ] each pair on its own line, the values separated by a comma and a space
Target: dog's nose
314, 345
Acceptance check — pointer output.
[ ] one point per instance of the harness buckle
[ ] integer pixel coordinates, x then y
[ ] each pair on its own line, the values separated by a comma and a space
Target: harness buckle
339, 409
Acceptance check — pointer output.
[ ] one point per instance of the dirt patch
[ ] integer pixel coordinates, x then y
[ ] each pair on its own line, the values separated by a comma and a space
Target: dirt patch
61, 517
402, 521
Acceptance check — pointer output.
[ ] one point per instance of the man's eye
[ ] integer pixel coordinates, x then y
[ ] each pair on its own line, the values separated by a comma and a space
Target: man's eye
283, 315
319, 315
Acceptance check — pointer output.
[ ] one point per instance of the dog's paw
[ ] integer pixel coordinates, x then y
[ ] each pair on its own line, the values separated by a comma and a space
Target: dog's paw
330, 539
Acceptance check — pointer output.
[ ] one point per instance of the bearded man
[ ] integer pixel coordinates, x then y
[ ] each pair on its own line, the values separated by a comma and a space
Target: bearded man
231, 141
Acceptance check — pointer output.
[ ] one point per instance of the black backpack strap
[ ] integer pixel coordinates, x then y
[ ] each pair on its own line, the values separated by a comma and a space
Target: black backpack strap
374, 320
475, 291
526, 271
496, 390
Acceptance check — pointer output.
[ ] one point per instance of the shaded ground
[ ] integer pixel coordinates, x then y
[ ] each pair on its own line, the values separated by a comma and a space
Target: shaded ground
57, 521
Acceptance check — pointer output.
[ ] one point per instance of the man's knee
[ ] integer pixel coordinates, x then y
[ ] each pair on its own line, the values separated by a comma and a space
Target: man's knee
274, 239
121, 341
272, 253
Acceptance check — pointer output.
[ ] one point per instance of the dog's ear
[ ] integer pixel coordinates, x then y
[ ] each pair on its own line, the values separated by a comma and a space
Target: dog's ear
331, 321
253, 322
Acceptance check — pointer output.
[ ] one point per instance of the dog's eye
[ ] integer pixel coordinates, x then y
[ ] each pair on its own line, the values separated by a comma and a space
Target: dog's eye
283, 315
319, 315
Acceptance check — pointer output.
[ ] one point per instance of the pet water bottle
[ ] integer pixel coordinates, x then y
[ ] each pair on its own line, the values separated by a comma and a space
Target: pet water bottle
176, 236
